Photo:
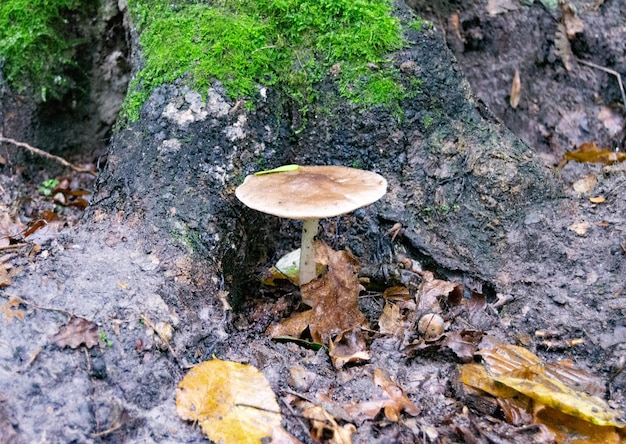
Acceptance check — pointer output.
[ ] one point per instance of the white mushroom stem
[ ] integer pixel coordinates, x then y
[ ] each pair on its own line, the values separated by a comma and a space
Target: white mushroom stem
308, 269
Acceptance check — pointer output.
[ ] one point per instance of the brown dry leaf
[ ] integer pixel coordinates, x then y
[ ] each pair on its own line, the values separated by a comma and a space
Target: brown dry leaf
232, 402
516, 90
293, 326
10, 231
463, 343
11, 309
585, 183
573, 25
75, 333
563, 48
348, 347
430, 290
7, 271
397, 293
390, 321
580, 228
334, 295
589, 152
324, 428
393, 403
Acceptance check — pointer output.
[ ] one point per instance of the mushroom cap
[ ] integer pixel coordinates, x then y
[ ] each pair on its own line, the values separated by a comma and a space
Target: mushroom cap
311, 192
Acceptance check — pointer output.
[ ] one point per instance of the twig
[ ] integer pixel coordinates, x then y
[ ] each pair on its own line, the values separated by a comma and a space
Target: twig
62, 161
610, 71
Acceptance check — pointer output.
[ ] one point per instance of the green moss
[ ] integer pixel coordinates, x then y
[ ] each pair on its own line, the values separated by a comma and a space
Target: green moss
288, 44
37, 44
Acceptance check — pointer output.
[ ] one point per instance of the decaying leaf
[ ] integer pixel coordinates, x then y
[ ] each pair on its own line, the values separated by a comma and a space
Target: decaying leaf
77, 332
589, 152
348, 347
335, 294
431, 290
390, 321
580, 228
397, 293
516, 90
324, 428
563, 48
462, 343
7, 271
232, 402
11, 310
551, 393
585, 183
10, 231
573, 24
393, 402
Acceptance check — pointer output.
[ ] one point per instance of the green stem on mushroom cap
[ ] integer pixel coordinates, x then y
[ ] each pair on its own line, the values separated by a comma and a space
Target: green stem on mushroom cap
308, 270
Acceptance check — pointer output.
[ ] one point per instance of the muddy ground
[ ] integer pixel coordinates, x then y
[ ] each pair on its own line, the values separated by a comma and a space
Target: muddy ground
122, 389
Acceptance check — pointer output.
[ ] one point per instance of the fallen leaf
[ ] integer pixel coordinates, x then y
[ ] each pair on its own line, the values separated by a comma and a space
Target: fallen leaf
10, 231
393, 402
463, 343
11, 309
334, 295
580, 228
399, 292
585, 183
430, 291
573, 24
553, 393
390, 321
76, 332
324, 427
562, 45
589, 152
516, 90
232, 402
348, 347
7, 271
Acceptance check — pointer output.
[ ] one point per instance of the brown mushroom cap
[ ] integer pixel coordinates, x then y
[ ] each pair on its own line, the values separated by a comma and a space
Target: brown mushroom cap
312, 192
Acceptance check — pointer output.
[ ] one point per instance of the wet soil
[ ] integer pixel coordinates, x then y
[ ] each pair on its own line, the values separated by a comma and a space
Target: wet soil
152, 251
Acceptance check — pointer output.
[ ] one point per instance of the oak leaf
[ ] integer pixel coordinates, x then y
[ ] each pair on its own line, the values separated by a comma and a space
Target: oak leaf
75, 333
334, 295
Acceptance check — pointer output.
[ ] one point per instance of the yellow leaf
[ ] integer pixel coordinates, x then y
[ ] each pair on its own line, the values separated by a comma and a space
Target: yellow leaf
232, 402
589, 152
557, 395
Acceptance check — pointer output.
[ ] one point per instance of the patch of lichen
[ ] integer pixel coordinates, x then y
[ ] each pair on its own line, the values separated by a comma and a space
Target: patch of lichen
290, 45
37, 44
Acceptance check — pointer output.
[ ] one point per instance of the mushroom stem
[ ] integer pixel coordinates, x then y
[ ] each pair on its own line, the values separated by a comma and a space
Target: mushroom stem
308, 270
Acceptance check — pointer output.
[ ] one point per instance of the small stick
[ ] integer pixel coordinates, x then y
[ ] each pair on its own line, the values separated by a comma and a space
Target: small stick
610, 71
62, 161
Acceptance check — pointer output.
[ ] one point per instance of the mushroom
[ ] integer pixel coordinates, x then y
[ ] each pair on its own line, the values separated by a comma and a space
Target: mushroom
309, 193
